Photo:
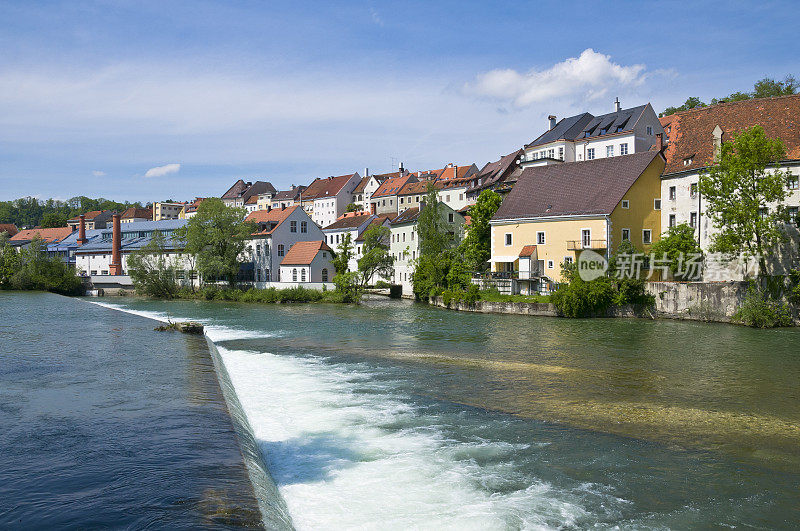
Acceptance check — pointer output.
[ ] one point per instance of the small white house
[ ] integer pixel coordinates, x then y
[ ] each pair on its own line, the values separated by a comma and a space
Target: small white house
308, 262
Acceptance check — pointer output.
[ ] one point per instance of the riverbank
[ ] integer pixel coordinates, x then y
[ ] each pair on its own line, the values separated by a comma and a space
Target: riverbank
108, 423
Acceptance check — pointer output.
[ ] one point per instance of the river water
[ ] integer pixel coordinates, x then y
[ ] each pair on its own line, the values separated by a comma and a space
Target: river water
398, 415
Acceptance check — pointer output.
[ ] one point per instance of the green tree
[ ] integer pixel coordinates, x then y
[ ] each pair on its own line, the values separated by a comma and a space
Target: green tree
768, 87
53, 220
352, 207
347, 282
476, 245
33, 269
678, 242
692, 102
151, 270
217, 236
744, 195
375, 262
9, 261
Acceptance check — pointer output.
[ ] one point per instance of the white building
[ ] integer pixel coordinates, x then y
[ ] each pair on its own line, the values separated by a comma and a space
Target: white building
327, 198
355, 224
308, 262
587, 137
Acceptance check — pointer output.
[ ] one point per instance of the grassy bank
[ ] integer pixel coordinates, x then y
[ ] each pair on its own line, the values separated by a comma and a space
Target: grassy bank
264, 296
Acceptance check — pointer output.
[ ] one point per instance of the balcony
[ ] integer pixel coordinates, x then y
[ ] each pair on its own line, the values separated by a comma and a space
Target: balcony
580, 245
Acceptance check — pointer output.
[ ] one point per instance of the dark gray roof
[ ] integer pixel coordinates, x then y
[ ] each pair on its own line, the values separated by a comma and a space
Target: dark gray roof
574, 188
494, 172
284, 195
130, 235
586, 125
406, 216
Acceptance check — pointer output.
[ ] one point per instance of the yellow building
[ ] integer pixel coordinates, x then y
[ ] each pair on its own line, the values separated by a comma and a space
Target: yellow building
166, 210
557, 211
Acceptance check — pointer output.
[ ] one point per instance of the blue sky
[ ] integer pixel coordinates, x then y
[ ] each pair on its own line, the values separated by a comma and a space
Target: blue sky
153, 100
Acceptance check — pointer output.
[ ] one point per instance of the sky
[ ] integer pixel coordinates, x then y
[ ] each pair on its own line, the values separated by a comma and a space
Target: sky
146, 101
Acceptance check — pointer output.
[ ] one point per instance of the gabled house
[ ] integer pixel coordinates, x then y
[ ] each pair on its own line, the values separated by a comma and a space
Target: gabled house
555, 212
136, 214
385, 199
499, 175
404, 241
190, 209
362, 193
238, 194
287, 198
23, 238
278, 229
251, 205
355, 224
308, 262
588, 137
327, 197
96, 219
694, 137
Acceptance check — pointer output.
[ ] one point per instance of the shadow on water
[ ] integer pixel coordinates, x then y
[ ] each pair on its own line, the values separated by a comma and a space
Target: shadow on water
311, 458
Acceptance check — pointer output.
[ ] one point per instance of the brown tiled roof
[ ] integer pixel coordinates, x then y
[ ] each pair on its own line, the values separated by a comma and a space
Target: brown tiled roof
392, 186
133, 212
48, 235
527, 251
271, 218
574, 188
303, 253
456, 172
359, 189
10, 228
350, 220
283, 195
252, 201
325, 187
494, 172
406, 216
89, 215
690, 132
238, 188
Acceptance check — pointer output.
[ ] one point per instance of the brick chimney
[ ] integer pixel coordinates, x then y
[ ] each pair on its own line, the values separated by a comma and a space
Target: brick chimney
82, 230
660, 142
115, 268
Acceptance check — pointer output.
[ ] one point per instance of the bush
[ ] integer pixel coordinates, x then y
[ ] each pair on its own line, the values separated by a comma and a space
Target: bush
382, 284
759, 310
584, 299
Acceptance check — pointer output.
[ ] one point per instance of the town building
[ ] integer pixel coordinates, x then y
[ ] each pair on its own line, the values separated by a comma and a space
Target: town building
278, 229
9, 228
327, 198
404, 241
308, 262
238, 194
252, 204
355, 224
588, 137
190, 209
564, 209
96, 219
167, 210
694, 138
499, 176
23, 238
362, 193
385, 199
287, 198
136, 214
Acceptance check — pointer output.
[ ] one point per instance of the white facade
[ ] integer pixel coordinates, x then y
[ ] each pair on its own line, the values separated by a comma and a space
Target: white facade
326, 210
320, 270
99, 264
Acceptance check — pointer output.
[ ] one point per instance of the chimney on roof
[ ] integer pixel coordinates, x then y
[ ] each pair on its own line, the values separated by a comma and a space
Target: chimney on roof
82, 230
401, 170
366, 172
552, 120
660, 142
115, 267
617, 106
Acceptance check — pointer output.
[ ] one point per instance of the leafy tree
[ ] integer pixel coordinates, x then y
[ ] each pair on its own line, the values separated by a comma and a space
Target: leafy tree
678, 241
352, 207
739, 189
477, 241
9, 261
692, 102
151, 270
53, 220
768, 87
217, 236
347, 282
376, 260
33, 269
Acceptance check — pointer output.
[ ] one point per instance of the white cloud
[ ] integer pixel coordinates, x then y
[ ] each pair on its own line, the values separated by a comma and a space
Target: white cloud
160, 171
589, 76
98, 173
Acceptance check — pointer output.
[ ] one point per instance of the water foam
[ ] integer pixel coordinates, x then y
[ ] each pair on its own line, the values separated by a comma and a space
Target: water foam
345, 458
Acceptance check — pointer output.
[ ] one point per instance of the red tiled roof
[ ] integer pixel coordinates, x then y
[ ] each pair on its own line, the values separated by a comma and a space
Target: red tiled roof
527, 251
276, 216
252, 201
238, 188
48, 235
89, 215
303, 253
349, 220
10, 228
690, 132
393, 185
133, 212
359, 189
325, 187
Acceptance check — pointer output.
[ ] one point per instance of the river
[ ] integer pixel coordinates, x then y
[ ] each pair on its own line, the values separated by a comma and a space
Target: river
397, 415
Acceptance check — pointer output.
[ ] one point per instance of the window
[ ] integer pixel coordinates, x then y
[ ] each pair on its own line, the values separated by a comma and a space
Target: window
551, 153
792, 182
266, 275
404, 236
623, 149
763, 211
460, 197
303, 226
567, 260
450, 217
280, 249
324, 274
688, 161
693, 189
586, 238
258, 275
609, 151
561, 153
672, 220
303, 275
293, 226
104, 272
649, 129
647, 236
447, 198
294, 275
508, 238
693, 219
672, 193
337, 238
180, 274
626, 203
590, 154
656, 204
402, 199
626, 235
93, 272
540, 238
549, 264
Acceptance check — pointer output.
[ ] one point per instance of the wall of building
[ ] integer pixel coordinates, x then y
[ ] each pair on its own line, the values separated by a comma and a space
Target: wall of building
641, 213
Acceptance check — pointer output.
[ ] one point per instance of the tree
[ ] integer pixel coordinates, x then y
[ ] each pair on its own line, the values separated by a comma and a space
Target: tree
33, 269
476, 246
678, 242
352, 207
768, 87
53, 220
744, 199
692, 102
376, 260
346, 281
151, 270
9, 261
217, 236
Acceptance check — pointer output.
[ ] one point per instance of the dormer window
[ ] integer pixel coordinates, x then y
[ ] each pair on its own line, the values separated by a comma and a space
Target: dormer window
687, 161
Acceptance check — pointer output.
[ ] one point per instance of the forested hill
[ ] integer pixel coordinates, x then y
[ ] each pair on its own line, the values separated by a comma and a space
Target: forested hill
31, 212
765, 88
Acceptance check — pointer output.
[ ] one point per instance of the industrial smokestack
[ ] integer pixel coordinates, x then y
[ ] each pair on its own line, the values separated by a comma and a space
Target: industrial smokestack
552, 120
82, 230
115, 268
